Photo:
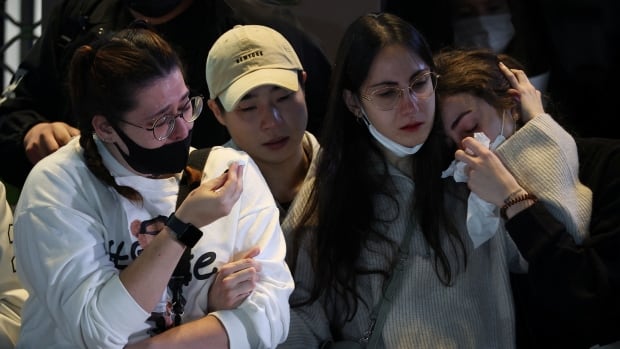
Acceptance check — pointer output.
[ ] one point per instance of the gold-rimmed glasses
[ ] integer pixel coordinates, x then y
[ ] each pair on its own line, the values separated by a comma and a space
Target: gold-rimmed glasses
386, 98
162, 127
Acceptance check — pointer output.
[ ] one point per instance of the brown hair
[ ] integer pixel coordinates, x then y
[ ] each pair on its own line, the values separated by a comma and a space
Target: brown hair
104, 78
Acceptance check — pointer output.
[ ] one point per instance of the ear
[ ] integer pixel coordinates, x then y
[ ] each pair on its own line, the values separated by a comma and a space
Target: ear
514, 93
215, 108
103, 129
304, 76
352, 102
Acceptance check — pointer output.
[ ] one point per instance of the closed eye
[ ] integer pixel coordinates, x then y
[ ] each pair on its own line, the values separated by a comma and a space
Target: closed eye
286, 97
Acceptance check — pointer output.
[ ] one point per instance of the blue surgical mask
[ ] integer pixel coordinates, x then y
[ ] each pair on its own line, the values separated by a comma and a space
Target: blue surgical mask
397, 149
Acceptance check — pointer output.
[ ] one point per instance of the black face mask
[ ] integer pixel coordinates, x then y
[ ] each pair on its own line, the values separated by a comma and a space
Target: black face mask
171, 158
152, 8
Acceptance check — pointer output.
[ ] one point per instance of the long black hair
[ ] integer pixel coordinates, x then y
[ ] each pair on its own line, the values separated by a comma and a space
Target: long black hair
341, 209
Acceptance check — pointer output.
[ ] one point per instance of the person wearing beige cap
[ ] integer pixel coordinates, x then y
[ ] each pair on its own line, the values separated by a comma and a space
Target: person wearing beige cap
256, 83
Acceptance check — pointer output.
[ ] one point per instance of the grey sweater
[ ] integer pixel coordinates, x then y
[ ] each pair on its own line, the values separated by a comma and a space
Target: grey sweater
476, 311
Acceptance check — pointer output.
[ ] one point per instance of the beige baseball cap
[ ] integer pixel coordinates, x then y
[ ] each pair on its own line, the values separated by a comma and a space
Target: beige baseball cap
248, 56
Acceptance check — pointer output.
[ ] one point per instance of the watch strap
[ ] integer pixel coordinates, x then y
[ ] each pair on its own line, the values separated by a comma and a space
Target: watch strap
185, 233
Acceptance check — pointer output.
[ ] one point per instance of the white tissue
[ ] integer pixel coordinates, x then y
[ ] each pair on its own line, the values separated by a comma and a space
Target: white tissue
483, 218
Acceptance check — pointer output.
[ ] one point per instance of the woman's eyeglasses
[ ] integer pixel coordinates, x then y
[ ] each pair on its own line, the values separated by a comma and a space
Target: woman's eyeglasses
386, 98
163, 126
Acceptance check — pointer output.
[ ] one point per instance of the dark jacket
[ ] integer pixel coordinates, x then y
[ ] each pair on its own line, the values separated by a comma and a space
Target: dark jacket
39, 93
571, 296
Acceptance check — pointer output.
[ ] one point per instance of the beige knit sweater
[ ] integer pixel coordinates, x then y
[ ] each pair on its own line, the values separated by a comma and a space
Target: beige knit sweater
543, 158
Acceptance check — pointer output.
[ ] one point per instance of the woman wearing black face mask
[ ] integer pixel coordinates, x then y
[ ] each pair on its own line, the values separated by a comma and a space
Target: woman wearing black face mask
95, 281
36, 115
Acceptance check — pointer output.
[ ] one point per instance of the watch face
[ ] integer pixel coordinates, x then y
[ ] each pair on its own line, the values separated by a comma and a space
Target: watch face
186, 233
191, 236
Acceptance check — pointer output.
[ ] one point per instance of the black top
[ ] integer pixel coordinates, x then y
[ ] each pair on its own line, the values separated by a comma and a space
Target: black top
41, 95
571, 296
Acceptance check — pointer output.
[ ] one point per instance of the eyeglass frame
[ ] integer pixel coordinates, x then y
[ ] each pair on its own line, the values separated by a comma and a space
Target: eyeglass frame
173, 121
401, 90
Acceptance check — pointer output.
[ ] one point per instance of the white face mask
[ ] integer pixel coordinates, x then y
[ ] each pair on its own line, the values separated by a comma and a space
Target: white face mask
490, 31
397, 149
501, 138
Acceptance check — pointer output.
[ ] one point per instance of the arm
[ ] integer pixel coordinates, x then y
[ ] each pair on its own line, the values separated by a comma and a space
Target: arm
575, 288
310, 325
262, 319
12, 294
37, 96
71, 244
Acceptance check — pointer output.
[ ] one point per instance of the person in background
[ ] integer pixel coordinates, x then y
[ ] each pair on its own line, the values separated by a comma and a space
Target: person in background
570, 297
91, 281
35, 114
378, 184
514, 27
12, 293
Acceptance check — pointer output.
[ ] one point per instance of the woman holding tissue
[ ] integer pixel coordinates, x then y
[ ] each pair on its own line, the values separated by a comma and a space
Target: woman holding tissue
98, 233
571, 294
380, 215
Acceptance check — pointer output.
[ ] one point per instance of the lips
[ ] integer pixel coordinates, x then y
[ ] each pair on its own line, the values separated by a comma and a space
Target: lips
412, 126
276, 143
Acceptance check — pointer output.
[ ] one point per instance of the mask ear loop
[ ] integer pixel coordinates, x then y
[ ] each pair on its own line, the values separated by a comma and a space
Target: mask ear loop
362, 115
501, 130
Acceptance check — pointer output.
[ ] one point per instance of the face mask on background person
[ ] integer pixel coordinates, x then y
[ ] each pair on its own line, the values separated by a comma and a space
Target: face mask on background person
488, 31
152, 8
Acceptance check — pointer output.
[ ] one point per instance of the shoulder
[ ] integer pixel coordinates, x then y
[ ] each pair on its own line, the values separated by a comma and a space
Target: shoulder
220, 158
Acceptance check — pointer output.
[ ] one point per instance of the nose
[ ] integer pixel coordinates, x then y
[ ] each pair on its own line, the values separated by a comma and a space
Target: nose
181, 129
408, 100
270, 117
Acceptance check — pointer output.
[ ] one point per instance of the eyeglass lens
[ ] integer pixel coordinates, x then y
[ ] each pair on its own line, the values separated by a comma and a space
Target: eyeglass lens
387, 97
163, 127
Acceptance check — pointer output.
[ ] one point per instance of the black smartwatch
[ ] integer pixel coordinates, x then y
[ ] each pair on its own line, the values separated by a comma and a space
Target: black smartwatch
186, 233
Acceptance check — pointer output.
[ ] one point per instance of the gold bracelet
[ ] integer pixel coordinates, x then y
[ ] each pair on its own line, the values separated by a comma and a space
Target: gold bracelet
510, 202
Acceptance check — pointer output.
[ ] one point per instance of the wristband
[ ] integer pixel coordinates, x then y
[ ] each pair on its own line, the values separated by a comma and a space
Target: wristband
512, 201
185, 233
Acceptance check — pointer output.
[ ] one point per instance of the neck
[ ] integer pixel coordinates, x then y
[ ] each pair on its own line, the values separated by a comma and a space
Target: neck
403, 164
285, 179
165, 18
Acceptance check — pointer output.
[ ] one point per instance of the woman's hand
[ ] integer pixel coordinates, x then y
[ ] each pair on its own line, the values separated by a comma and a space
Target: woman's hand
488, 177
234, 282
213, 199
529, 96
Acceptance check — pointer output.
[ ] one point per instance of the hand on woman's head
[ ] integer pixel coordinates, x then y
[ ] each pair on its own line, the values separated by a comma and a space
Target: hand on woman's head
528, 96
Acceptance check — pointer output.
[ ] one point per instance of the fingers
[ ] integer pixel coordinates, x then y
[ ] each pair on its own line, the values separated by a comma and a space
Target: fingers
234, 282
514, 76
45, 138
251, 253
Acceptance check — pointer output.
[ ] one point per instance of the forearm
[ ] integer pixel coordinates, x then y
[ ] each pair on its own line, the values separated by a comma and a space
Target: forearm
206, 332
560, 271
147, 277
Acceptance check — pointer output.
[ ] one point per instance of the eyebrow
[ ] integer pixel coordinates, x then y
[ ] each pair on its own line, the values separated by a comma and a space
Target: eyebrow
393, 83
252, 95
165, 109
